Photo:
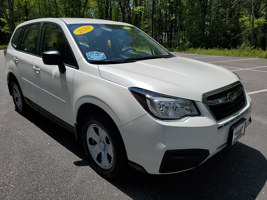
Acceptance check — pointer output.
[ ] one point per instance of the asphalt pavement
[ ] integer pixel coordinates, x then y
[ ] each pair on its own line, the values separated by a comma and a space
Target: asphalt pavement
40, 160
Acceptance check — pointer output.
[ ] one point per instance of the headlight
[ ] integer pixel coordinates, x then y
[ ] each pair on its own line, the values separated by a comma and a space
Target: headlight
164, 107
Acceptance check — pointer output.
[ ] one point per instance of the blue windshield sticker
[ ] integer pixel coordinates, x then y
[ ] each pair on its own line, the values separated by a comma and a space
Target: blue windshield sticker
95, 55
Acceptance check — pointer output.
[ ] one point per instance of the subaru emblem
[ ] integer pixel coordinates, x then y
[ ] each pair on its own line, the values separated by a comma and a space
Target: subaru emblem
230, 96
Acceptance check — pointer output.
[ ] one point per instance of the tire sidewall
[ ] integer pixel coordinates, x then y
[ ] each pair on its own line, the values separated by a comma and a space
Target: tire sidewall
119, 165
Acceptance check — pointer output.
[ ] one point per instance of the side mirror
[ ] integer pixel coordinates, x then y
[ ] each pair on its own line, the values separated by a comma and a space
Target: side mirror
54, 58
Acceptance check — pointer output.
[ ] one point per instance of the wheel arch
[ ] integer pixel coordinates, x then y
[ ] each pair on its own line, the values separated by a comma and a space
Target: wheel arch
90, 109
11, 77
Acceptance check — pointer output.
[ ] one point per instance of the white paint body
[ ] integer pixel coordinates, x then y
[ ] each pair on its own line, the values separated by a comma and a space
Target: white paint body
107, 86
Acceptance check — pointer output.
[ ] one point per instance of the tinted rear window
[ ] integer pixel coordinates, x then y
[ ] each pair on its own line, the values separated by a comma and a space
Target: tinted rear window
30, 38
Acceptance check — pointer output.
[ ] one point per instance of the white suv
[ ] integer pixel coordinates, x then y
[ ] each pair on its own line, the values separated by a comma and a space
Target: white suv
125, 96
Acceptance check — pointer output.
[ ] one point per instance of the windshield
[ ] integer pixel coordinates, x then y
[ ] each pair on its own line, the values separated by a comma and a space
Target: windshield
105, 43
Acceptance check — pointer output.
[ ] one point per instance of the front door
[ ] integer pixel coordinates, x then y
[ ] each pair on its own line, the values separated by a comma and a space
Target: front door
55, 93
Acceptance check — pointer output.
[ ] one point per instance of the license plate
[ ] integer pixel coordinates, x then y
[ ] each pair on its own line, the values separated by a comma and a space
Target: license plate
236, 131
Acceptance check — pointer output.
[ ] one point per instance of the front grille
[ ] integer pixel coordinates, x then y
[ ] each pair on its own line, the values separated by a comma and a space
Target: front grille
225, 101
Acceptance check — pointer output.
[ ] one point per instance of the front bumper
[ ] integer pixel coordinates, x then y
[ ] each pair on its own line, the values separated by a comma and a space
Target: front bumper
174, 146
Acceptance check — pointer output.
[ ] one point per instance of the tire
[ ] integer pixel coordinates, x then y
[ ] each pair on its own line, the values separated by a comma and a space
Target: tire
18, 97
104, 147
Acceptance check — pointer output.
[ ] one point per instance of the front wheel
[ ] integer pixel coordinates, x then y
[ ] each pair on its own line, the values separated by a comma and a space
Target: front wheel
103, 147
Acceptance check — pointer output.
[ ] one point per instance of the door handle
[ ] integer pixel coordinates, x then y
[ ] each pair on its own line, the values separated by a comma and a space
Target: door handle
16, 60
36, 69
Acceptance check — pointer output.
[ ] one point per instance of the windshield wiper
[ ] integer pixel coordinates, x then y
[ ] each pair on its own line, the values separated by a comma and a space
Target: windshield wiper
127, 60
147, 58
106, 61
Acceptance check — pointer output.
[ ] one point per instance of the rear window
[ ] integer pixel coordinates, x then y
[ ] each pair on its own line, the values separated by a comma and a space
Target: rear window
30, 38
16, 38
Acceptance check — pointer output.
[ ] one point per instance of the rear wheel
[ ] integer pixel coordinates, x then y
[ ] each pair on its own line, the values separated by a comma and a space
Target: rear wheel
18, 98
103, 147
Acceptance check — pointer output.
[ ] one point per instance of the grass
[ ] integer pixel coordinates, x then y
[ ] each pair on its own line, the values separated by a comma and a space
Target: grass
240, 52
3, 47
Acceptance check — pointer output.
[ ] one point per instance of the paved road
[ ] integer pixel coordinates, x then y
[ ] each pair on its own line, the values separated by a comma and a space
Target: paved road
39, 160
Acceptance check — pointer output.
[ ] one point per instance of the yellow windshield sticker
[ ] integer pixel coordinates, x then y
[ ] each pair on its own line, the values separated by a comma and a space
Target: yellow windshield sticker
109, 43
83, 30
127, 28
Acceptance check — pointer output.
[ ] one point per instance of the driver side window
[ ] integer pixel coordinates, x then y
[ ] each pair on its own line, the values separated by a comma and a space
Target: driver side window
54, 39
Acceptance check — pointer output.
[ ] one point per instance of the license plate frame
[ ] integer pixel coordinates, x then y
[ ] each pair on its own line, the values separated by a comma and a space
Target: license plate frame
236, 131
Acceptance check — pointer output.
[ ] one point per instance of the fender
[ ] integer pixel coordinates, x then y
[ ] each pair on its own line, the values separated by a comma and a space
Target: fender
114, 99
99, 103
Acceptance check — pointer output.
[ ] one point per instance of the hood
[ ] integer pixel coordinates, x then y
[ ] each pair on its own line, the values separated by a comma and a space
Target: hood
177, 76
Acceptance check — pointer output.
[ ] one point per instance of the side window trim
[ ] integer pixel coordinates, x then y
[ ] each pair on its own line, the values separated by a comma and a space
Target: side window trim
42, 39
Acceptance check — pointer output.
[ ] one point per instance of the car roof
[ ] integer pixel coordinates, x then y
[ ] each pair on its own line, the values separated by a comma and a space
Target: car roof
90, 21
75, 21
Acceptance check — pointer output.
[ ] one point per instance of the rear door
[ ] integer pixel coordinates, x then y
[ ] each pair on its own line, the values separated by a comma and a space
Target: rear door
55, 91
25, 59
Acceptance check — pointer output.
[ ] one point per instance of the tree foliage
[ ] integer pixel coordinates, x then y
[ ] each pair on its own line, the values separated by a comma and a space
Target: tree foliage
180, 24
